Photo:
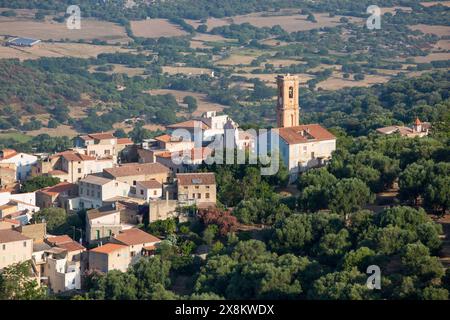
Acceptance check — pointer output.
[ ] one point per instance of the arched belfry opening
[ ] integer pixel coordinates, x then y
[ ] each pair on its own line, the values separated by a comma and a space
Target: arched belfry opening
288, 101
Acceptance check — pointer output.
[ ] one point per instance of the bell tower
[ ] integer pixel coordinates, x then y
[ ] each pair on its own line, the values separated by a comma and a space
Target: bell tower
287, 101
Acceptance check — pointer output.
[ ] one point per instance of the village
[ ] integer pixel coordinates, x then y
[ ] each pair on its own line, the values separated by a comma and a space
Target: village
120, 184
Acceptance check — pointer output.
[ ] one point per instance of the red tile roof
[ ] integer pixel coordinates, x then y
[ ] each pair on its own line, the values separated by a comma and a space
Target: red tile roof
136, 169
11, 236
59, 239
8, 153
126, 141
150, 184
305, 133
135, 236
74, 156
200, 178
108, 248
59, 188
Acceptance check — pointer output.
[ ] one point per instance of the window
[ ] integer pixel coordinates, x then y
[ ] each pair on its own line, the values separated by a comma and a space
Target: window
193, 196
207, 195
24, 244
79, 170
207, 187
98, 234
199, 195
312, 154
134, 182
107, 152
4, 247
291, 92
155, 192
142, 192
110, 232
196, 187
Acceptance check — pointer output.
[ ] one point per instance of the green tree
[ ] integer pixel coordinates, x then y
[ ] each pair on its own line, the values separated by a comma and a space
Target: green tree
39, 182
55, 218
349, 195
17, 283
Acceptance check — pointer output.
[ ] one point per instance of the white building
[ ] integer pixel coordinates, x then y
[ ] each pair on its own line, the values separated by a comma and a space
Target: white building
94, 190
304, 147
22, 161
147, 190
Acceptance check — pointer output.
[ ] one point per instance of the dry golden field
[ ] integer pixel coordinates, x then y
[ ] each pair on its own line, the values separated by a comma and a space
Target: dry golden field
48, 29
437, 30
289, 20
155, 28
269, 78
433, 3
336, 81
186, 70
45, 49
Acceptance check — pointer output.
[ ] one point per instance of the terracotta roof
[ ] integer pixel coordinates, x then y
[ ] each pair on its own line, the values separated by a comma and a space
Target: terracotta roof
71, 246
11, 236
164, 138
101, 212
124, 141
59, 239
137, 169
57, 173
135, 236
305, 133
418, 123
189, 124
59, 188
95, 180
150, 184
74, 156
12, 221
98, 136
186, 179
8, 153
108, 248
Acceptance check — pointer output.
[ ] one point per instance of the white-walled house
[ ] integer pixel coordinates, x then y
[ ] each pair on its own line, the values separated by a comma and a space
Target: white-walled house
304, 147
22, 161
94, 190
147, 190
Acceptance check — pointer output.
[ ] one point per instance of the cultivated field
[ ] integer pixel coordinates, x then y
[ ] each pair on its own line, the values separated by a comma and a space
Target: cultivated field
202, 101
433, 57
289, 20
61, 130
78, 50
269, 78
433, 3
437, 30
186, 70
46, 30
336, 81
119, 68
155, 28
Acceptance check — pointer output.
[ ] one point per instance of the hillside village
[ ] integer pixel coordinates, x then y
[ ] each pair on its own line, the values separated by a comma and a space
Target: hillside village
120, 184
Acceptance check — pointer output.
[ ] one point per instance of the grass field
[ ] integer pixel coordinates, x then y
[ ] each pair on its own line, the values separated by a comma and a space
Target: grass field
48, 29
77, 50
155, 28
18, 136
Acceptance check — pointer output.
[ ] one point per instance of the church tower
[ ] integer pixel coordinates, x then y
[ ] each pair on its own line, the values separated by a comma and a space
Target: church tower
287, 102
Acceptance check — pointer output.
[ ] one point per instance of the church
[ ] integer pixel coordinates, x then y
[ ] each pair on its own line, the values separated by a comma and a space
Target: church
302, 147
